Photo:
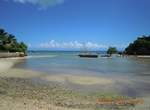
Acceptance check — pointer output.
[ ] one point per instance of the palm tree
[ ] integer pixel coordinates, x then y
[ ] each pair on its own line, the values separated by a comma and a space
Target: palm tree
8, 42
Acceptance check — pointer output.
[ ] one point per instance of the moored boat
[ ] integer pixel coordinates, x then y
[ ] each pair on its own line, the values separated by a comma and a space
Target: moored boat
88, 55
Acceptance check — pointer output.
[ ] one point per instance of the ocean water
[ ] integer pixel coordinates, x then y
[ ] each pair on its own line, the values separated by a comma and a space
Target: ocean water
69, 61
131, 74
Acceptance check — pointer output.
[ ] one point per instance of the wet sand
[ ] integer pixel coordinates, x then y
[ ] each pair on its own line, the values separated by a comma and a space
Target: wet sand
29, 90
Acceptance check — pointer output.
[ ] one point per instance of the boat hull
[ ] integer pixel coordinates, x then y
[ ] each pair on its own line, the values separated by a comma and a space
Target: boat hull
89, 56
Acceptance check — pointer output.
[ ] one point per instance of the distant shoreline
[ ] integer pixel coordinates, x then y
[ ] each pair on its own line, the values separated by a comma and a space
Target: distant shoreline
139, 56
11, 54
21, 54
143, 56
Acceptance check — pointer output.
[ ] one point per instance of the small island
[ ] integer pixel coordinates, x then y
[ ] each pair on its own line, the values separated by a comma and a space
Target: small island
10, 47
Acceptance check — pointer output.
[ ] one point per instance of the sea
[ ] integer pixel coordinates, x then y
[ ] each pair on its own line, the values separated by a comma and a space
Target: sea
131, 74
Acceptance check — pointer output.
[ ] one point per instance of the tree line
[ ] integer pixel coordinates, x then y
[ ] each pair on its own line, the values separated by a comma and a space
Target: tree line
9, 43
141, 46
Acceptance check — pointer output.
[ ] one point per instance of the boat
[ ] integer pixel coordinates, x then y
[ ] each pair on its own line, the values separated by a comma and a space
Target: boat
88, 55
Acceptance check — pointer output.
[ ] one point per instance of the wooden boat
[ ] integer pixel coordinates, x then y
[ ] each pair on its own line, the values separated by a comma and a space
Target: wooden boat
88, 55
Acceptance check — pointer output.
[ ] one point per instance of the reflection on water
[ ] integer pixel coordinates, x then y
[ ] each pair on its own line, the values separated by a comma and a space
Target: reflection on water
131, 75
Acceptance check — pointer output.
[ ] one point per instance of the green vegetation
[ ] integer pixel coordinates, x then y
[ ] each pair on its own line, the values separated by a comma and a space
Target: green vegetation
8, 43
112, 50
141, 46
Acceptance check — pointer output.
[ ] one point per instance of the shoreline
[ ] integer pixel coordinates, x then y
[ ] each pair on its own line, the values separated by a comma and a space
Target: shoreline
24, 88
143, 56
26, 93
8, 63
11, 54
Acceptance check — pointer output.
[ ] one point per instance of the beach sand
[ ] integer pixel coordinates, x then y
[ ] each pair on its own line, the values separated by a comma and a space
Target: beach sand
29, 90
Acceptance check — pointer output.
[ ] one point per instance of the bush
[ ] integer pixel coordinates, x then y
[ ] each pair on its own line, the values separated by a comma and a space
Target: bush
112, 50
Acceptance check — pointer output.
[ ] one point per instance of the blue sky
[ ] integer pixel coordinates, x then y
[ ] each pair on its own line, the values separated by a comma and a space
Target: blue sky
67, 24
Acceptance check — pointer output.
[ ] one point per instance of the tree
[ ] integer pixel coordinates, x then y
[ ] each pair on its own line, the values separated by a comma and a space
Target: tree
141, 46
23, 47
111, 50
9, 43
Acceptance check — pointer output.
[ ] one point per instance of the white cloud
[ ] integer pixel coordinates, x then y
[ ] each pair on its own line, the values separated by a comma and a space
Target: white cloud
41, 3
71, 45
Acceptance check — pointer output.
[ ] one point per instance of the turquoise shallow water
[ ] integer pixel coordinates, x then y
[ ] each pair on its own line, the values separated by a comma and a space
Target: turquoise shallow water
67, 61
131, 75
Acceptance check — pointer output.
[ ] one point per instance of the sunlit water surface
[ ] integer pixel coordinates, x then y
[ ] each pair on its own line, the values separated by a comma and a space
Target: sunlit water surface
131, 75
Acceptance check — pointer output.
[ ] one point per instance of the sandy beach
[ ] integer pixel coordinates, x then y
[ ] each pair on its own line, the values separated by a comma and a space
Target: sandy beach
18, 90
22, 89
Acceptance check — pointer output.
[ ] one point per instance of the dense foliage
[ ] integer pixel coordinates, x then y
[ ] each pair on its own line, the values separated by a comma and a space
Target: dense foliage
111, 50
8, 43
141, 46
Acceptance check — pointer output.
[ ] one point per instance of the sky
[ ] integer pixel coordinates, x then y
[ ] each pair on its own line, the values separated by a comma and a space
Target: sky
70, 24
